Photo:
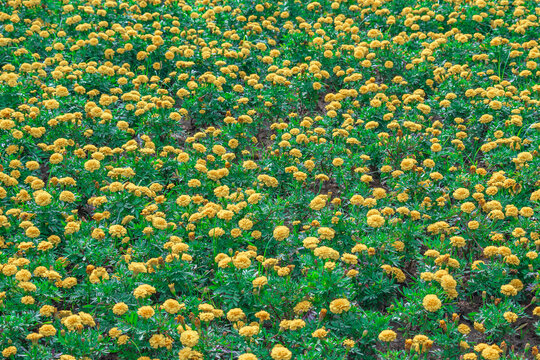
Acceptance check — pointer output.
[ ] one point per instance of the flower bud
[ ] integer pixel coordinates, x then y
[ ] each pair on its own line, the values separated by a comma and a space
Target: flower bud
322, 314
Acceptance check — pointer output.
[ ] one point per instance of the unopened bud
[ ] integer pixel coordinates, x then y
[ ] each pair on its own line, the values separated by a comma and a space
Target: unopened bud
322, 314
442, 325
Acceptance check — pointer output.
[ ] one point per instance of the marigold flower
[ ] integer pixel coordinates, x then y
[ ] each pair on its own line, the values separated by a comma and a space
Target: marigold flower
248, 331
461, 194
260, 281
407, 164
241, 262
189, 338
67, 196
464, 329
490, 353
281, 233
262, 315
47, 330
72, 322
32, 232
508, 290
339, 306
172, 306
92, 165
349, 343
247, 356
235, 314
319, 333
12, 350
120, 308
146, 312
375, 221
279, 352
431, 303
317, 203
387, 335
510, 316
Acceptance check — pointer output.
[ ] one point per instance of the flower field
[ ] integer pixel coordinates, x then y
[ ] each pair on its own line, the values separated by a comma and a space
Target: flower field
242, 180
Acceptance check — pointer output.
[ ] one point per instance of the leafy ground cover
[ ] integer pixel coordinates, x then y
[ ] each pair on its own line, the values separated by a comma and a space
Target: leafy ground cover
230, 179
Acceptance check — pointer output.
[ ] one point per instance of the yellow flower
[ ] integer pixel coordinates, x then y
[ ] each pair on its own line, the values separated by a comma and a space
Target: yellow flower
46, 310
72, 322
387, 335
189, 338
9, 351
510, 316
407, 164
34, 337
120, 308
92, 165
337, 162
431, 303
216, 232
310, 242
508, 290
348, 343
248, 356
357, 200
279, 352
339, 306
490, 353
464, 329
235, 314
117, 231
67, 357
249, 331
172, 306
421, 343
325, 252
146, 312
47, 330
32, 232
206, 316
67, 196
241, 262
375, 221
260, 282
281, 233
42, 198
143, 291
326, 233
56, 158
479, 327
461, 194
319, 333
317, 203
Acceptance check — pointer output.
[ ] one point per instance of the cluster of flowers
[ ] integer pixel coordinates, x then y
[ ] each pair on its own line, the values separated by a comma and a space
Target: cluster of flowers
228, 179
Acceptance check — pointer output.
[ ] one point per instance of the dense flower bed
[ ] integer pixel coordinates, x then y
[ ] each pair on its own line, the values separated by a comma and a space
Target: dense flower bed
230, 179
